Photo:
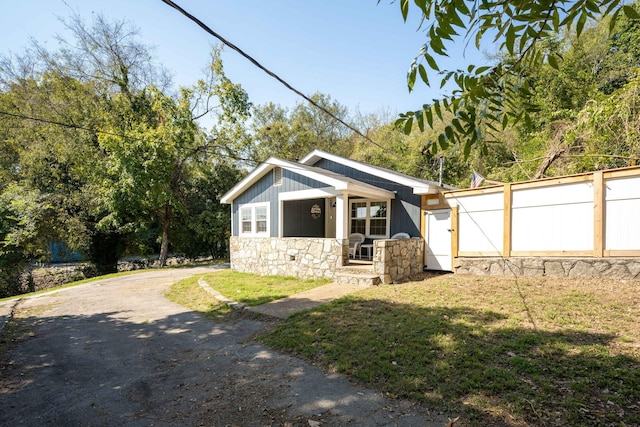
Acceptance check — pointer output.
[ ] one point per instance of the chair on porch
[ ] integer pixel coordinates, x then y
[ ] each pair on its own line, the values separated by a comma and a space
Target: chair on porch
355, 240
401, 236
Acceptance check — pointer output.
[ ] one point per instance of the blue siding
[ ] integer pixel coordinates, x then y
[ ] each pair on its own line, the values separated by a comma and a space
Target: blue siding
264, 191
405, 208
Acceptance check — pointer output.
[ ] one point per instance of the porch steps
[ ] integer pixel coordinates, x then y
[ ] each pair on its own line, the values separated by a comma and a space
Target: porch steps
357, 275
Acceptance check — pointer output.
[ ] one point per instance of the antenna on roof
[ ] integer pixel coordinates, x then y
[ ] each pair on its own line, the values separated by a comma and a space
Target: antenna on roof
440, 172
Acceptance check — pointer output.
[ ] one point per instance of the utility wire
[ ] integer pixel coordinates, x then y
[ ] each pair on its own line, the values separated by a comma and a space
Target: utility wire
93, 130
54, 122
278, 78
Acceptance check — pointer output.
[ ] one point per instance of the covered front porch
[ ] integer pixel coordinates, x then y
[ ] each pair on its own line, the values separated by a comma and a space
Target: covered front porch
335, 212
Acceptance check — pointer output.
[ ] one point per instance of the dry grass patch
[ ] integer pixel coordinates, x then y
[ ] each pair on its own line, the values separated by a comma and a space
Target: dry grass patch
536, 351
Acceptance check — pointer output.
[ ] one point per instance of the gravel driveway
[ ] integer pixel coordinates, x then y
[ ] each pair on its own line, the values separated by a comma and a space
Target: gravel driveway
116, 352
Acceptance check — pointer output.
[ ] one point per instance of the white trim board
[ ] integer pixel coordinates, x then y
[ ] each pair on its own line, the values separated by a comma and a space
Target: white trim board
339, 182
420, 186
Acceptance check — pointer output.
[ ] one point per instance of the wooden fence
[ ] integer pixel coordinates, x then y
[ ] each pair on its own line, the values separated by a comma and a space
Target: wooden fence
587, 215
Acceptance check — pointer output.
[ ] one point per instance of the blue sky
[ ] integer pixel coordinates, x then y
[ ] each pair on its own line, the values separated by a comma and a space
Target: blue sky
357, 51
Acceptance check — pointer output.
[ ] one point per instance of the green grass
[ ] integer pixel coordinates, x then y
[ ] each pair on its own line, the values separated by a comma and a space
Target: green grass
495, 351
253, 290
189, 294
248, 289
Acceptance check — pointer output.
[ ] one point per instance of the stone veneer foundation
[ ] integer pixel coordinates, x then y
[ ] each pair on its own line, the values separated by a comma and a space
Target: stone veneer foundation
291, 256
397, 260
393, 260
623, 268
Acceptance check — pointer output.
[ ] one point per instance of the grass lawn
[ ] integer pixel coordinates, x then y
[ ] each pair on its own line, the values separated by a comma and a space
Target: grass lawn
494, 351
248, 289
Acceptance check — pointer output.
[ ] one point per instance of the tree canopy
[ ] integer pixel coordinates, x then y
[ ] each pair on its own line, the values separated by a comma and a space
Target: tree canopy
102, 154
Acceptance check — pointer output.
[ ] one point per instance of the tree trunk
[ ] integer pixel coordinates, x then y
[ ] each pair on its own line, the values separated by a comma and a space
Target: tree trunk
164, 246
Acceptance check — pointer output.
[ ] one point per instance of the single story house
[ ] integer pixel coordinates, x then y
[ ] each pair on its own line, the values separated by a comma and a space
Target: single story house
296, 219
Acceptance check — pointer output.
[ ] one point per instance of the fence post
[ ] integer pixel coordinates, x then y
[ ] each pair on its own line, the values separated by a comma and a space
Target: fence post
506, 237
454, 236
598, 214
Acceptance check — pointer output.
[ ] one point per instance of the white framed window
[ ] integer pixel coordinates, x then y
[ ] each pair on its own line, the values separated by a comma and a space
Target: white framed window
254, 219
370, 217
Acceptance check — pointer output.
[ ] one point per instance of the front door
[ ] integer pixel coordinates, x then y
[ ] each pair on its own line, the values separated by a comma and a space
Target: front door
437, 251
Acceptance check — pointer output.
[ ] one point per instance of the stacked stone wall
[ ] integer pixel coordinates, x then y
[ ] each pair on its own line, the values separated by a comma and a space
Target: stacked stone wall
622, 268
398, 260
291, 256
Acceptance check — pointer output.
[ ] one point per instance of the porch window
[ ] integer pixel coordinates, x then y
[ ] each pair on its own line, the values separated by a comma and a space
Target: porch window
370, 218
254, 220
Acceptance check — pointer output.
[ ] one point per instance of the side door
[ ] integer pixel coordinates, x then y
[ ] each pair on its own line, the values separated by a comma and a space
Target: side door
438, 251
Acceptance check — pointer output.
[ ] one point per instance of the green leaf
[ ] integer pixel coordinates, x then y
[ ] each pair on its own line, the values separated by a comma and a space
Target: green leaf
510, 37
614, 20
411, 75
442, 141
553, 62
436, 107
420, 118
592, 6
432, 62
450, 133
630, 12
408, 125
404, 8
428, 114
467, 149
422, 4
580, 24
457, 125
423, 74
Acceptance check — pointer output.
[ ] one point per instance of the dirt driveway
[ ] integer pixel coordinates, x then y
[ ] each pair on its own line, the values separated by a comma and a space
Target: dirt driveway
116, 352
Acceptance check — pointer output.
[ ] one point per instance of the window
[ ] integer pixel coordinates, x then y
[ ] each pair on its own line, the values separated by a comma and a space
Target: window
254, 220
370, 218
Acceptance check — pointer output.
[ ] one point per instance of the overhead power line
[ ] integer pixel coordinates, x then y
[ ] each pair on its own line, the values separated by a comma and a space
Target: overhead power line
57, 123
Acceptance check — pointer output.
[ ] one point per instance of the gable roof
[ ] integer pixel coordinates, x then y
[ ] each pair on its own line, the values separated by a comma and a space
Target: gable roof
420, 186
332, 179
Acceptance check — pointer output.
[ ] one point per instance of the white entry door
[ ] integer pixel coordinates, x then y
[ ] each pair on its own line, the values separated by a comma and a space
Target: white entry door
437, 251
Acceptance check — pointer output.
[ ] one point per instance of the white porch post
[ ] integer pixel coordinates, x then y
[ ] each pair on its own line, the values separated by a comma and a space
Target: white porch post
342, 216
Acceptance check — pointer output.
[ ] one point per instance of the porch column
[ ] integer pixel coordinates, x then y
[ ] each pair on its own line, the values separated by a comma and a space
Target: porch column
342, 216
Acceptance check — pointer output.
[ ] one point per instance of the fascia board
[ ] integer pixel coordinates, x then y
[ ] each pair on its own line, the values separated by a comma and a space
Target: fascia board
417, 185
245, 183
368, 191
304, 170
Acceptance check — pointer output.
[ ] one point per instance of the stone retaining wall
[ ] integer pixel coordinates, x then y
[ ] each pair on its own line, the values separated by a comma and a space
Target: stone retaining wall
623, 268
397, 260
291, 256
50, 276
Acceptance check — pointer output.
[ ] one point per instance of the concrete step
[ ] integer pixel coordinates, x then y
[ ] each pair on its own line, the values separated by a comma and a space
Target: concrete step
356, 278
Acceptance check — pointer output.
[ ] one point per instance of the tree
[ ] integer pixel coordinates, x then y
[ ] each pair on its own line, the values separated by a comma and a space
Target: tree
203, 229
487, 99
91, 133
291, 135
48, 170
